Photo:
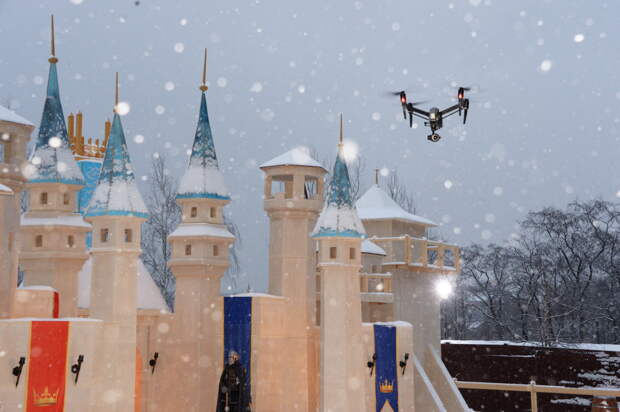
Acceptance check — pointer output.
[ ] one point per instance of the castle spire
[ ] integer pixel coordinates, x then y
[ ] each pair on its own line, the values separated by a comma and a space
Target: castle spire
52, 160
339, 217
203, 179
116, 193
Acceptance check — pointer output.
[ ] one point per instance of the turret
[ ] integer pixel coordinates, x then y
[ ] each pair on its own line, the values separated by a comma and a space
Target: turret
53, 247
200, 257
339, 232
116, 212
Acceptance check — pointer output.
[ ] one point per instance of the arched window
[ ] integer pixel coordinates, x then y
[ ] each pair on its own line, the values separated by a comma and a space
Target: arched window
332, 252
105, 235
193, 212
216, 250
65, 198
70, 241
38, 241
43, 198
352, 253
188, 250
212, 212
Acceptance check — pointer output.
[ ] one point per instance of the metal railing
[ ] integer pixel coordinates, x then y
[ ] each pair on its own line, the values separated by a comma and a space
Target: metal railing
376, 282
420, 252
535, 389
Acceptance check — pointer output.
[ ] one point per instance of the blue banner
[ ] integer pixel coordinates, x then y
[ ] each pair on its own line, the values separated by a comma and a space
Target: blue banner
386, 381
238, 330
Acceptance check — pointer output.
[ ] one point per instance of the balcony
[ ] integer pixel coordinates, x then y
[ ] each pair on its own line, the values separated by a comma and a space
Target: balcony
376, 287
420, 254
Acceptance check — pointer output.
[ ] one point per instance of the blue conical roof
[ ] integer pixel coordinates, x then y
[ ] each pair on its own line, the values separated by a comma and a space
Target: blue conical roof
339, 216
52, 159
203, 178
116, 193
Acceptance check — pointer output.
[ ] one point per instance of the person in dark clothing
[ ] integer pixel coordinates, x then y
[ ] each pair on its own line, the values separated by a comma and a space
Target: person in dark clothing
233, 394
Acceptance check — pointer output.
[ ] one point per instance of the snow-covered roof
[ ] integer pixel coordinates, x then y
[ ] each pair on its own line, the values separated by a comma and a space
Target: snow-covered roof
294, 157
37, 287
52, 160
201, 229
117, 193
583, 346
376, 204
5, 190
339, 217
8, 115
148, 295
203, 178
371, 248
74, 220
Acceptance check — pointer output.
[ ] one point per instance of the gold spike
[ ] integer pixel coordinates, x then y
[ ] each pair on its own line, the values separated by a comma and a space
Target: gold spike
341, 131
203, 86
53, 58
116, 93
377, 177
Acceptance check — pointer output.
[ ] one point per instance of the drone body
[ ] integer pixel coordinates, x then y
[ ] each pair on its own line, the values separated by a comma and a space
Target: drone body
434, 117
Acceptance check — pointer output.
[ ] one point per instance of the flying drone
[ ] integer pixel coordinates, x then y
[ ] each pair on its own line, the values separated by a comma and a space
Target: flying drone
434, 117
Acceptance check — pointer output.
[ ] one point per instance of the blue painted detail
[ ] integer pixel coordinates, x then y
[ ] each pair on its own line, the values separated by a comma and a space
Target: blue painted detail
116, 168
386, 366
339, 191
238, 330
327, 232
202, 196
90, 169
203, 150
53, 125
117, 213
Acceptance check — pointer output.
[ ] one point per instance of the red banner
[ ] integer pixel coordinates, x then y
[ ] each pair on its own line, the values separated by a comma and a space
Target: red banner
47, 366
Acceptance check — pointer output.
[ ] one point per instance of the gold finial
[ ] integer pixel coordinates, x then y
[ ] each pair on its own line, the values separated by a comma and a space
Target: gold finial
53, 58
377, 177
341, 131
203, 86
116, 93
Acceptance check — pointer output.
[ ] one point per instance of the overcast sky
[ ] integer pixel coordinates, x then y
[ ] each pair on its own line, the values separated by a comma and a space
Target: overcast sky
544, 131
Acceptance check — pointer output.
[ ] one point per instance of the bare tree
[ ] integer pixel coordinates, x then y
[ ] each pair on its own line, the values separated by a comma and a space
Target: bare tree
399, 191
356, 169
165, 215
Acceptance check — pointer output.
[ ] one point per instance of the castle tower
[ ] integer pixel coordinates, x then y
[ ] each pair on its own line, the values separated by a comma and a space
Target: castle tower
53, 247
14, 135
339, 232
200, 249
293, 196
116, 211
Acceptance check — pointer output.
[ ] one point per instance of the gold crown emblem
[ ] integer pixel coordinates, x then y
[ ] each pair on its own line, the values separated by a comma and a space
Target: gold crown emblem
386, 387
46, 398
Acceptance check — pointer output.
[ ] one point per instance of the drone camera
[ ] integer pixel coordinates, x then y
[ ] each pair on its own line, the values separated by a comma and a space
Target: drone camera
433, 137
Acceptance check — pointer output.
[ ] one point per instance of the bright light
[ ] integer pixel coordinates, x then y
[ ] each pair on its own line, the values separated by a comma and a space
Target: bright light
122, 108
443, 288
55, 142
384, 171
350, 150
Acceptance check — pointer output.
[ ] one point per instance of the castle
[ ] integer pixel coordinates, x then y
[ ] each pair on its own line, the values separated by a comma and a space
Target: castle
351, 321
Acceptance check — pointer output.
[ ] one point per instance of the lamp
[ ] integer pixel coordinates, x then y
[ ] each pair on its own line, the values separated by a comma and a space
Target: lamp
371, 364
403, 363
17, 370
76, 367
153, 362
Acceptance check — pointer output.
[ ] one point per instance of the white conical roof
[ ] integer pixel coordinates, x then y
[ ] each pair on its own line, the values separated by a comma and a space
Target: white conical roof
148, 295
294, 157
375, 204
8, 115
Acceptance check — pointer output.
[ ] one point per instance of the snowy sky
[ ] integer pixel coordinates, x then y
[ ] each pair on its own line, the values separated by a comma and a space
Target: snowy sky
544, 131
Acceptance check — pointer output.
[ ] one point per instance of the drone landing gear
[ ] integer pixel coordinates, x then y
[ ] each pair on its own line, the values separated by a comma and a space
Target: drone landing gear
433, 137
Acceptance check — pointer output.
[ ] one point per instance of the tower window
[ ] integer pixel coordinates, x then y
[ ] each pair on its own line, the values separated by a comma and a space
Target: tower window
65, 198
212, 212
128, 235
193, 212
188, 250
70, 241
216, 250
332, 252
38, 241
105, 235
352, 253
43, 198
